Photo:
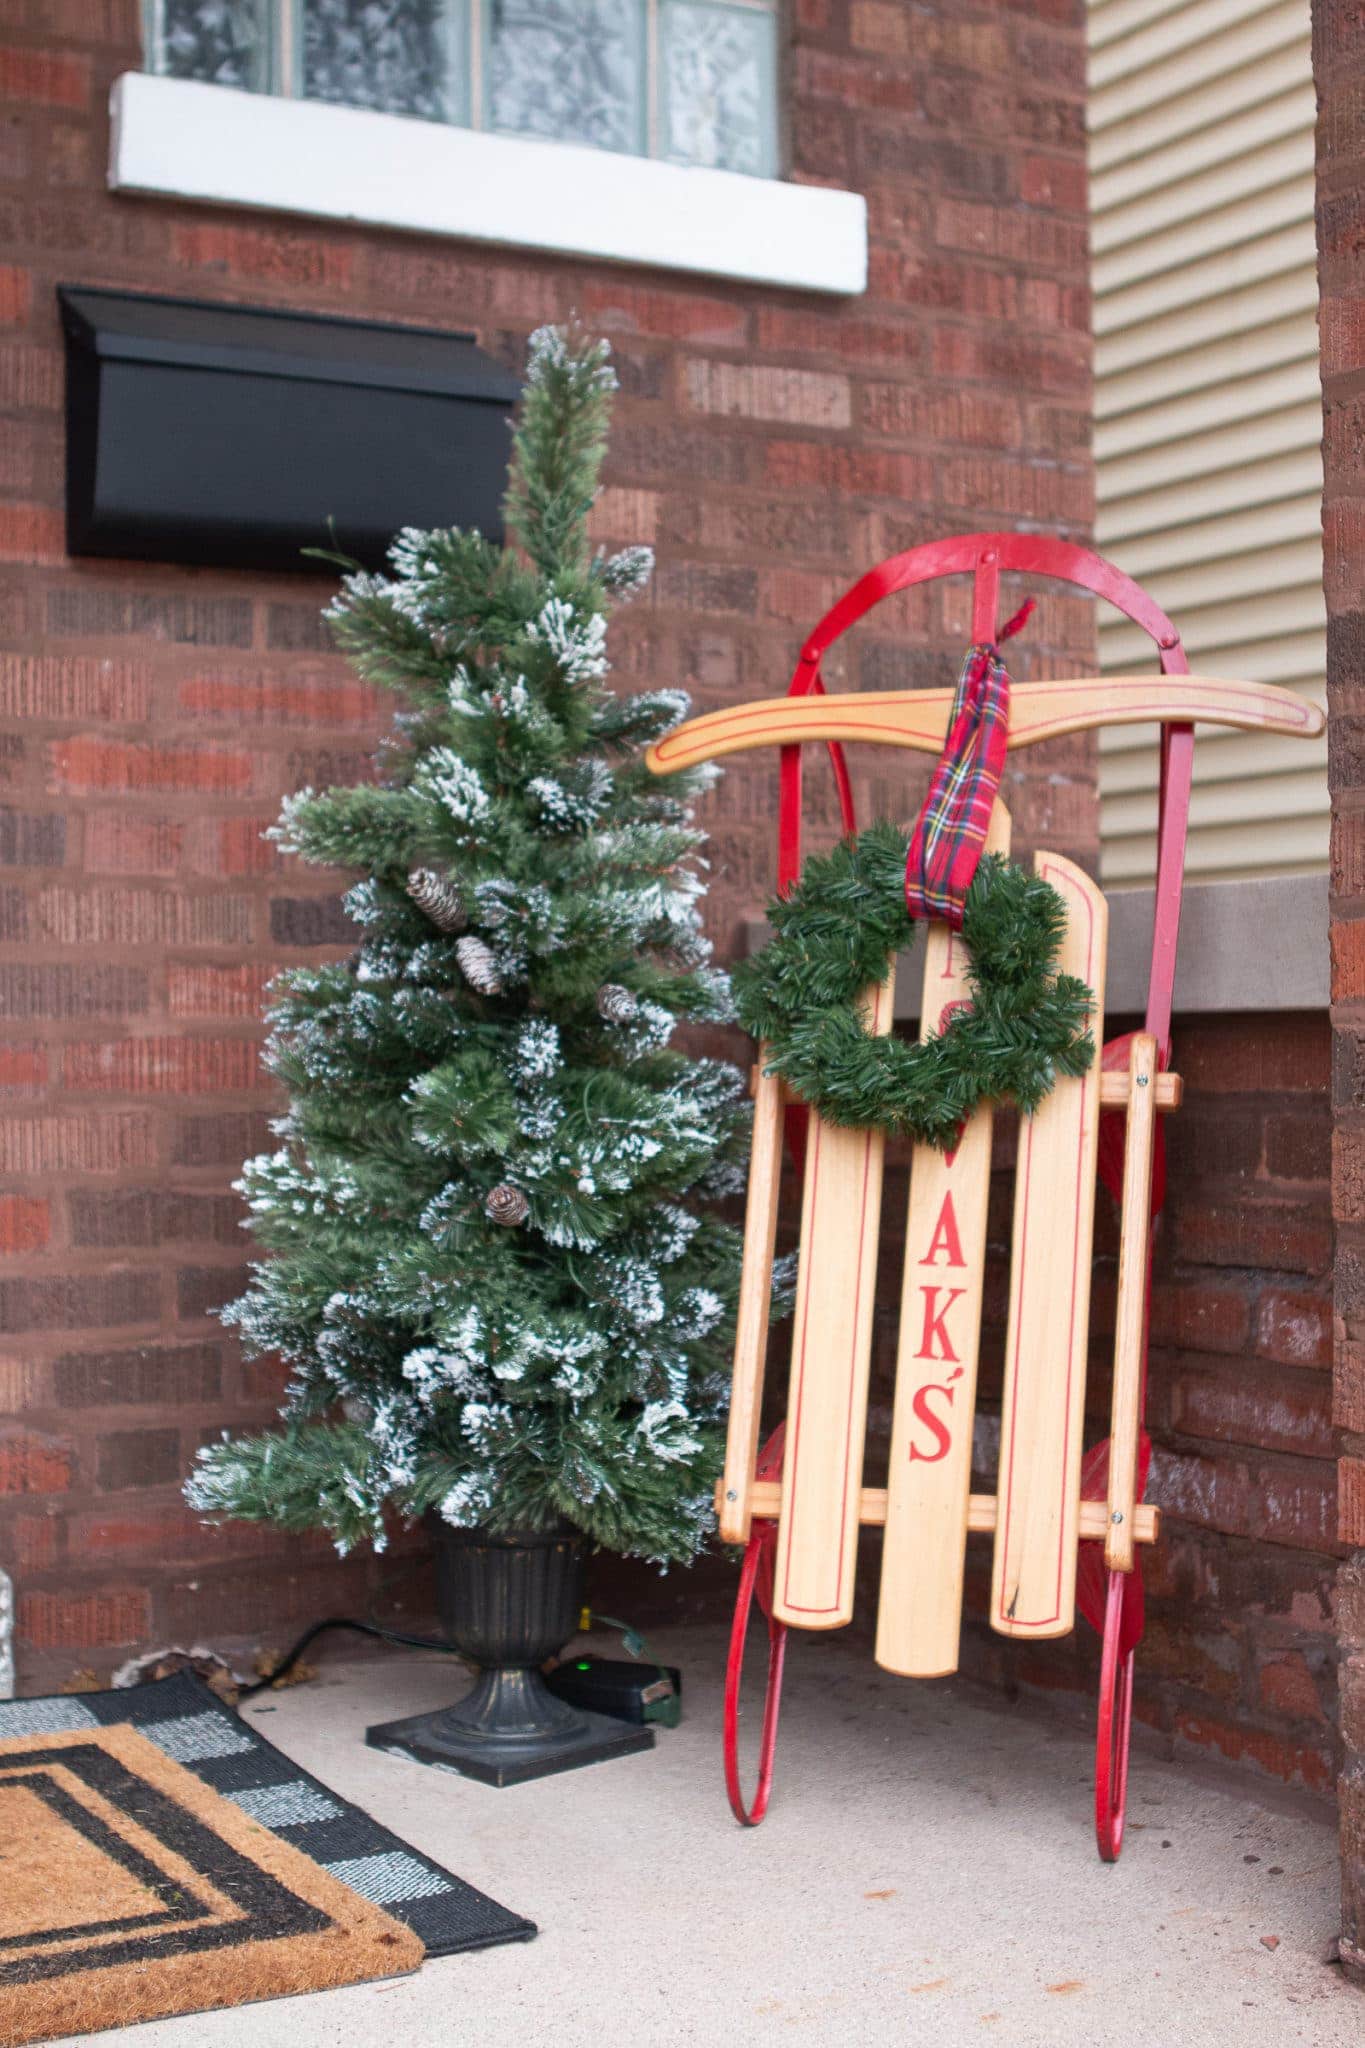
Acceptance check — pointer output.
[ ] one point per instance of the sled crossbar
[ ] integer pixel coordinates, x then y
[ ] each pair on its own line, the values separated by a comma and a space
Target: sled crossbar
764, 1504
1167, 1095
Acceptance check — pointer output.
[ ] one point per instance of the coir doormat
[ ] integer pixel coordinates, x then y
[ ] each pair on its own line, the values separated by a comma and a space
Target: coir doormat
192, 1727
129, 1891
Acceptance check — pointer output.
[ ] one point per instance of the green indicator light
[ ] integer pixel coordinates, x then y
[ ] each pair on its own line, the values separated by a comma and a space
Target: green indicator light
583, 1664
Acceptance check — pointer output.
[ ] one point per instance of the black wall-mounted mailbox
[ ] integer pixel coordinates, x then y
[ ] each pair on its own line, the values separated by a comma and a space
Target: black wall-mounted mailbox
237, 437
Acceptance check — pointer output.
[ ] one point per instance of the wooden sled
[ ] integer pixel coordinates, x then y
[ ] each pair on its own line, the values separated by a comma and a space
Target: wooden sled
1066, 1528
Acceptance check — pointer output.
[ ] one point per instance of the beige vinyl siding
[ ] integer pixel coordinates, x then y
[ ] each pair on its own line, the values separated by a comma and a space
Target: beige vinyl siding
1208, 414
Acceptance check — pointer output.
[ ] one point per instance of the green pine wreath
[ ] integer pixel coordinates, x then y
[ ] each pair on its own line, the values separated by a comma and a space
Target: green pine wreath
839, 930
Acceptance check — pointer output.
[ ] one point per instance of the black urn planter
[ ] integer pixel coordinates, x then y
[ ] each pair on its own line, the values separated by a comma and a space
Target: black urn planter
507, 1602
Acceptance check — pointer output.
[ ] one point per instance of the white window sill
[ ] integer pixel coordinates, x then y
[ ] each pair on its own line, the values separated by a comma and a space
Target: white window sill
175, 137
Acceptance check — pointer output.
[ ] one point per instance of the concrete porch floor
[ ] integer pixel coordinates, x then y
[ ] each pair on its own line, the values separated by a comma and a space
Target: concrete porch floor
927, 1874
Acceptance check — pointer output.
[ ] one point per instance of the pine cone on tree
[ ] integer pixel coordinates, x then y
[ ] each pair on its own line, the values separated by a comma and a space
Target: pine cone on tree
616, 1004
437, 897
478, 966
507, 1205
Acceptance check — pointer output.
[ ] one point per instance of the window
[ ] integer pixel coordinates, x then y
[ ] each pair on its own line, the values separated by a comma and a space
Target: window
690, 81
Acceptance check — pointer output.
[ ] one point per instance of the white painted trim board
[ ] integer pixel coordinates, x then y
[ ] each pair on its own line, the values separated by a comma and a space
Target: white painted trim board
181, 139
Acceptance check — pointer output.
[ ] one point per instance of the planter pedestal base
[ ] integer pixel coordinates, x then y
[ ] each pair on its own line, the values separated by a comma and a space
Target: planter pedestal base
509, 1729
507, 1602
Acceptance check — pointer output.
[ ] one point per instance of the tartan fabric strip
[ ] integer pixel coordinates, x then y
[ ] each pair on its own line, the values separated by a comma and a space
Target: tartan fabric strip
950, 831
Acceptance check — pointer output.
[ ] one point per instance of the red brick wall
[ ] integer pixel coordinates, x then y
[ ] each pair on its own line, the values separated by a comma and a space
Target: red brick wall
1240, 1654
1238, 1657
1339, 71
769, 445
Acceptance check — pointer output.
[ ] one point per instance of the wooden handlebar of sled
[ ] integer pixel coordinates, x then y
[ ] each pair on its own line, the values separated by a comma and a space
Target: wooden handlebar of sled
764, 1501
1038, 711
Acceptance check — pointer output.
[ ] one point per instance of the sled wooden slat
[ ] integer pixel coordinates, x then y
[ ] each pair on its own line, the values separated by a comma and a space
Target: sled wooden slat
1038, 711
930, 1468
1033, 1581
817, 1537
755, 1301
765, 1501
1130, 1314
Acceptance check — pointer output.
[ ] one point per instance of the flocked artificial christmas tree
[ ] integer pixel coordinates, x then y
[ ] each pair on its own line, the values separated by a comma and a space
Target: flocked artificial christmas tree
491, 1268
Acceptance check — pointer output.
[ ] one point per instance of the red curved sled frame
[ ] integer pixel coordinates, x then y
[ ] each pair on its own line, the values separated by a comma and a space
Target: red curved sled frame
756, 1576
1114, 1727
1111, 1601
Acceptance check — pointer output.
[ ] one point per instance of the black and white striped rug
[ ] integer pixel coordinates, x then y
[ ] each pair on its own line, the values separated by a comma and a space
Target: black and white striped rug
189, 1724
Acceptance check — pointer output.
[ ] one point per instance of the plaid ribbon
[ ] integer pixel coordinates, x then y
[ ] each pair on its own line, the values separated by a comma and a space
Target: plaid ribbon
950, 831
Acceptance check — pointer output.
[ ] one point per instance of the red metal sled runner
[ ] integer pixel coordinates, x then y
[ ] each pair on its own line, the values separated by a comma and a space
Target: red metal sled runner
1066, 1527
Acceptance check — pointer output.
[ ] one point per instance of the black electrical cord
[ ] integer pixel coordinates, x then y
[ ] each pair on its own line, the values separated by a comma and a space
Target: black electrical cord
364, 1628
634, 1643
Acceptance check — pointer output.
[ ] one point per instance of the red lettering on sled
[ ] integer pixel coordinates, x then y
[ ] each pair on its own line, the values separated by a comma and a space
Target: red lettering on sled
937, 1424
945, 1237
934, 1331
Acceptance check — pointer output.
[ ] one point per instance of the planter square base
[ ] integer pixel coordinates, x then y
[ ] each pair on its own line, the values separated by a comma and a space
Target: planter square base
503, 1760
